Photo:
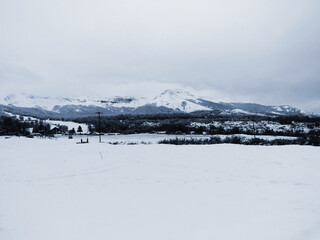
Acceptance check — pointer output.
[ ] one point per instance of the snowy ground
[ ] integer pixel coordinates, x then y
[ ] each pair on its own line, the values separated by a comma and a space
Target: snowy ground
155, 138
58, 190
146, 138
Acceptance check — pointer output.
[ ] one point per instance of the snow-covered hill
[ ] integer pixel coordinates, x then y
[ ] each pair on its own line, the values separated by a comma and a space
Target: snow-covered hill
168, 101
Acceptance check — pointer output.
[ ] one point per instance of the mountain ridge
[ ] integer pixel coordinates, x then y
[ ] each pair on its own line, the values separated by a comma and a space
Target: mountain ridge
169, 101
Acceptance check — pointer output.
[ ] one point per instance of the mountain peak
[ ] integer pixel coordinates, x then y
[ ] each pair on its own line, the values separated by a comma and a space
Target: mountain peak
176, 93
179, 100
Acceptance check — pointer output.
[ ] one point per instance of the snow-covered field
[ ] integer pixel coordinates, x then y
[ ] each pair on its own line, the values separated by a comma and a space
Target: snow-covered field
55, 189
146, 138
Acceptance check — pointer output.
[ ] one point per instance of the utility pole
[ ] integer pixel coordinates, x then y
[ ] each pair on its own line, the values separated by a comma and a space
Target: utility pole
99, 117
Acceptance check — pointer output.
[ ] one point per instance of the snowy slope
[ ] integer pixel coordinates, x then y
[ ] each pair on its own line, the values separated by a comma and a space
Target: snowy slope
49, 103
57, 189
70, 125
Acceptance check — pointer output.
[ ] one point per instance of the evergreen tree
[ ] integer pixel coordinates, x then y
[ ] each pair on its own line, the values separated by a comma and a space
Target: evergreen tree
72, 131
79, 129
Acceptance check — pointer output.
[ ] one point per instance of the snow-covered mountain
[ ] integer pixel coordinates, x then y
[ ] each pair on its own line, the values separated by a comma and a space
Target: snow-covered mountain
179, 100
169, 101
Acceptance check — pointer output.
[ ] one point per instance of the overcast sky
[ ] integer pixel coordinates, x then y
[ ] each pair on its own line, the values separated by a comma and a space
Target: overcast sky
265, 51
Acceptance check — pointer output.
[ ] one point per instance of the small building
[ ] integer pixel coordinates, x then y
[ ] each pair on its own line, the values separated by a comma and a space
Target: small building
55, 130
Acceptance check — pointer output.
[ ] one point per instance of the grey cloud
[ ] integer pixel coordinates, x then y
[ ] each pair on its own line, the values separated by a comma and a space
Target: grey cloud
248, 50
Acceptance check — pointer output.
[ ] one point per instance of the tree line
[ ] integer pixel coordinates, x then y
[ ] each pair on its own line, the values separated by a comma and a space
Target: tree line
14, 126
183, 123
18, 127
